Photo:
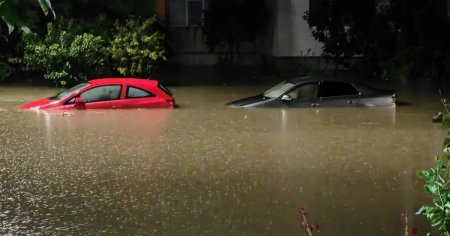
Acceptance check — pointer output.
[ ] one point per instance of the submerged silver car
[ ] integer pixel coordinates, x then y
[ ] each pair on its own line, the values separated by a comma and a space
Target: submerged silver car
319, 92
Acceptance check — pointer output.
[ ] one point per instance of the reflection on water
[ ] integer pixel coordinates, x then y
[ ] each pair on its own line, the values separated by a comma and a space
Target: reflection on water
206, 169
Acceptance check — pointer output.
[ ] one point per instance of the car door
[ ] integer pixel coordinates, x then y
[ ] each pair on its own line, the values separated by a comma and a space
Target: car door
337, 94
140, 98
303, 95
101, 97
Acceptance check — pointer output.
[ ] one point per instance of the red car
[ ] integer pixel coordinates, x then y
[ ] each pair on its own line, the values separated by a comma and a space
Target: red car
109, 93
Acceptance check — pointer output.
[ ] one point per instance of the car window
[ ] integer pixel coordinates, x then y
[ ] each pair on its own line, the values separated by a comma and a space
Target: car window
102, 93
133, 92
165, 89
71, 101
332, 89
278, 89
305, 91
67, 92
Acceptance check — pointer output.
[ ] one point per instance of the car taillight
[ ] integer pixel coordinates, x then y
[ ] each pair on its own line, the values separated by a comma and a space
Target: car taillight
393, 99
171, 102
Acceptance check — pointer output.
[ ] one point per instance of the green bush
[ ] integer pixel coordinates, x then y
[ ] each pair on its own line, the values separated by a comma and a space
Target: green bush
65, 55
437, 183
68, 55
137, 47
5, 71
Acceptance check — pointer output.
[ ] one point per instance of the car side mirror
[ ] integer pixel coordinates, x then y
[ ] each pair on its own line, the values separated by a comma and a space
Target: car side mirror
79, 101
286, 98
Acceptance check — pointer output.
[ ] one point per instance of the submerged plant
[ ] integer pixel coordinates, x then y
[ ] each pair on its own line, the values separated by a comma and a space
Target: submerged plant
303, 223
408, 231
437, 183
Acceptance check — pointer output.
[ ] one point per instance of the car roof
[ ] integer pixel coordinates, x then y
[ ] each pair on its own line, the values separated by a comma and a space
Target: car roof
101, 81
309, 79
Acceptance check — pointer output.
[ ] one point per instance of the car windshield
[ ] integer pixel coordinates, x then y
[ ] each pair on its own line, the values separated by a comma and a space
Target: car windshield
65, 93
278, 89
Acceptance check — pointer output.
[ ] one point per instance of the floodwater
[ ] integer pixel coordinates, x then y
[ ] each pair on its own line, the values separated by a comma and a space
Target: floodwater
207, 169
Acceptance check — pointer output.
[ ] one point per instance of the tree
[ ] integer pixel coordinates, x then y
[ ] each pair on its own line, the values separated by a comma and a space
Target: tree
408, 34
423, 32
230, 22
9, 12
10, 16
346, 28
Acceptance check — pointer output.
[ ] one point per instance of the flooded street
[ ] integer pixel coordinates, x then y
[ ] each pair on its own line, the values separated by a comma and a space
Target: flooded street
207, 169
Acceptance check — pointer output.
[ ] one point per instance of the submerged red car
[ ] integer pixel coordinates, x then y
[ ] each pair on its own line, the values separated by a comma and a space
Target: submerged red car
109, 93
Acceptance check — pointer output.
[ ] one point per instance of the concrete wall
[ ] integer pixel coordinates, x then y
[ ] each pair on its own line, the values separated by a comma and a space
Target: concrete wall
189, 47
292, 36
287, 36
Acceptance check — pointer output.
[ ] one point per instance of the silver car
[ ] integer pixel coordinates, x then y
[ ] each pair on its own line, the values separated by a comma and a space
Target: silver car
319, 92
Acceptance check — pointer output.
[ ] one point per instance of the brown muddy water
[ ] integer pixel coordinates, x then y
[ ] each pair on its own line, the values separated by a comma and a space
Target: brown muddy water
207, 169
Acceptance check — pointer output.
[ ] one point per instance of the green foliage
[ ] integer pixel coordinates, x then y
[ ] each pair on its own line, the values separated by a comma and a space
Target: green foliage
11, 16
5, 70
137, 47
437, 184
64, 55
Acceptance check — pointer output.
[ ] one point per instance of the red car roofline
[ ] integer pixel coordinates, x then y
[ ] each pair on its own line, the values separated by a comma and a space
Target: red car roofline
100, 81
130, 81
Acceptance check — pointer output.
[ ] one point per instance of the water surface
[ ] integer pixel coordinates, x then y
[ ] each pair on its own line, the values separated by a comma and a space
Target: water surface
207, 169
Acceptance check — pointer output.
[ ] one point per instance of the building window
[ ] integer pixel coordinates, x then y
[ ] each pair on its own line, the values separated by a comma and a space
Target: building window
186, 12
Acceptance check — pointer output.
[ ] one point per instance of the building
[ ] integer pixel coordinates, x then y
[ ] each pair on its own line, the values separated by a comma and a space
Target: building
287, 35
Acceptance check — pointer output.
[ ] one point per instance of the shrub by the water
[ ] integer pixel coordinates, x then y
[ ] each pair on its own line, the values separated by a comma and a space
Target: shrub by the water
64, 54
137, 47
67, 55
437, 183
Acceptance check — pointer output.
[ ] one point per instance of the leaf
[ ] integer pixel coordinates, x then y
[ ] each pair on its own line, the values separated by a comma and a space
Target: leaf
433, 189
9, 25
11, 16
441, 180
436, 222
25, 29
422, 210
423, 174
446, 142
46, 6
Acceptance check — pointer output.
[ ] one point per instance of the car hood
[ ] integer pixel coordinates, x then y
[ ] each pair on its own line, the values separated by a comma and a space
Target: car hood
248, 102
39, 104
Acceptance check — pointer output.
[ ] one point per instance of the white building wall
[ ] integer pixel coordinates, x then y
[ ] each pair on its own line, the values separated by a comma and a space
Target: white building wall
292, 36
